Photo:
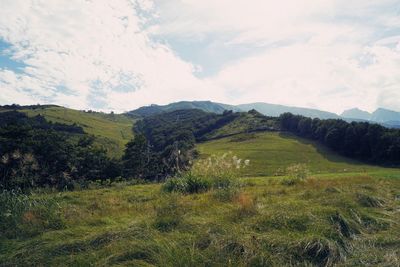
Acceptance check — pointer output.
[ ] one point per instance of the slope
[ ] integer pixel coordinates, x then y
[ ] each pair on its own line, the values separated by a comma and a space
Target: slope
112, 131
206, 106
271, 152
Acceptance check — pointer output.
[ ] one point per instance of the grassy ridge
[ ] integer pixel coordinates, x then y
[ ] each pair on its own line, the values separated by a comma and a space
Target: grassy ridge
113, 131
271, 152
351, 220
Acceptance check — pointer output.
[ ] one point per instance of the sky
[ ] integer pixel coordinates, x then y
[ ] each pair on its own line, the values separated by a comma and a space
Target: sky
122, 54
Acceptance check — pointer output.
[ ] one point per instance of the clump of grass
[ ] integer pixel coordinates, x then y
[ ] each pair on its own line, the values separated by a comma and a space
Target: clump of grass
247, 206
295, 174
226, 194
344, 227
319, 251
369, 201
187, 183
216, 172
169, 213
282, 221
332, 189
24, 215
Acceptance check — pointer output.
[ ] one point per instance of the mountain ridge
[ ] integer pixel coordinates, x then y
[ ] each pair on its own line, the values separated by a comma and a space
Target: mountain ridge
386, 117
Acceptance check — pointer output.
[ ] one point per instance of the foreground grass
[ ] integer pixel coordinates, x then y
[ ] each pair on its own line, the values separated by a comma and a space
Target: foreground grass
346, 219
271, 152
113, 131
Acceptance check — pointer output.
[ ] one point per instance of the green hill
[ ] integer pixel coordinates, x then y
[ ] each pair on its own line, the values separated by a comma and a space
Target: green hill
206, 106
345, 213
112, 131
271, 152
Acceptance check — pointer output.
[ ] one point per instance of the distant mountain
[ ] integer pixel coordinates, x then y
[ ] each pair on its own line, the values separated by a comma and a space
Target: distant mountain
274, 110
207, 106
357, 114
382, 115
385, 117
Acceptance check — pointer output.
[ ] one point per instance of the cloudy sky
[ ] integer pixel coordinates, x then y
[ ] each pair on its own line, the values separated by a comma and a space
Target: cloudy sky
122, 54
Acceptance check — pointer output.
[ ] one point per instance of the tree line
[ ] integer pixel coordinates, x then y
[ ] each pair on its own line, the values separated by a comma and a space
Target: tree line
360, 140
37, 153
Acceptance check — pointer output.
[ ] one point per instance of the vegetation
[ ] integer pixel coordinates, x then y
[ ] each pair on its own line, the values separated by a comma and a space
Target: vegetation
216, 172
36, 153
111, 131
369, 142
270, 153
322, 221
308, 206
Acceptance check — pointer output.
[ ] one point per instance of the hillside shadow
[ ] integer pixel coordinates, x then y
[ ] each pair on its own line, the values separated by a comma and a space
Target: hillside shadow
326, 152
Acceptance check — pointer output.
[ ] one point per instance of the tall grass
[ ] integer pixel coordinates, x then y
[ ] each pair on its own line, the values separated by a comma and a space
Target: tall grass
24, 215
216, 172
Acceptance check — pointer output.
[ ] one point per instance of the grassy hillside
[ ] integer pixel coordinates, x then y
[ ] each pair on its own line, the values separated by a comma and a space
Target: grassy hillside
245, 122
352, 220
271, 152
113, 131
206, 106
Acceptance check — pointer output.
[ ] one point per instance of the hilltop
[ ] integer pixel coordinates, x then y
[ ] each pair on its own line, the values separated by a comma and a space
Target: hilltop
112, 131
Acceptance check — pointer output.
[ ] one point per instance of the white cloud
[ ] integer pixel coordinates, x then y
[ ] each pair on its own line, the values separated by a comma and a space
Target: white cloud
81, 52
330, 54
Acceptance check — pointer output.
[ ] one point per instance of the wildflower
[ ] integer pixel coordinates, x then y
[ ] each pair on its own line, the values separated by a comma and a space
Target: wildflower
5, 158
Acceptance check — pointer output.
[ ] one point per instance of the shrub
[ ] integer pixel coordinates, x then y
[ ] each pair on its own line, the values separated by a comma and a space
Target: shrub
217, 172
296, 173
187, 183
228, 193
27, 215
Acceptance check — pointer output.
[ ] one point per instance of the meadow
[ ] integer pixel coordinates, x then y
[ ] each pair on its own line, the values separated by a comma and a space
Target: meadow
112, 131
271, 152
349, 220
329, 217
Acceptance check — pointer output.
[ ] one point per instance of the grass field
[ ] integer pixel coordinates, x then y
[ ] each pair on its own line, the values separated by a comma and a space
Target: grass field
350, 220
271, 152
345, 213
112, 131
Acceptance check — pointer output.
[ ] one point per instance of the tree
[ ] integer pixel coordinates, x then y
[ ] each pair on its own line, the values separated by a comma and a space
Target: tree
137, 156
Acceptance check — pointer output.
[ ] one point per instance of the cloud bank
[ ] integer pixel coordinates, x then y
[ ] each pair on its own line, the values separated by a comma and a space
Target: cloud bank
119, 55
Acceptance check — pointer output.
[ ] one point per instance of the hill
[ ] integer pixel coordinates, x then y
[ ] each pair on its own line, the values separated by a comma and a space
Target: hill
356, 113
112, 131
271, 152
344, 213
271, 110
206, 106
385, 117
382, 115
276, 110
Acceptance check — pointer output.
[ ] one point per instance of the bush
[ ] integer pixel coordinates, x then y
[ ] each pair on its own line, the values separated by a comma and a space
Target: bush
220, 173
228, 193
27, 215
187, 184
296, 173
